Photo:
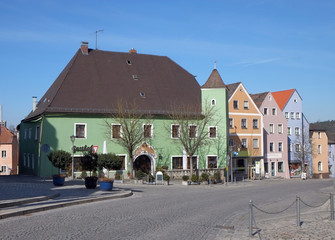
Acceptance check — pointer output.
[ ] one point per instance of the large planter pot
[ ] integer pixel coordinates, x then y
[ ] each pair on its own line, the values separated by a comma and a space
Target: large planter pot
106, 185
58, 180
91, 182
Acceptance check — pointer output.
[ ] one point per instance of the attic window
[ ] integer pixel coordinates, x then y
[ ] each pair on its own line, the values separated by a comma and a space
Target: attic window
213, 102
135, 77
128, 62
142, 94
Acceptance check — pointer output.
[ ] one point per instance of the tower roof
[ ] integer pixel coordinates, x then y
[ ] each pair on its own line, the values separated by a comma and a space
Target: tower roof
214, 81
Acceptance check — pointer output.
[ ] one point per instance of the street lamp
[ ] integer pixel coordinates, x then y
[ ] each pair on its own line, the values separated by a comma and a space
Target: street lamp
73, 138
231, 149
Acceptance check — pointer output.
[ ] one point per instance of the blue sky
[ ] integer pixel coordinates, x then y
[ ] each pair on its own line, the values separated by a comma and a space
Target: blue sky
267, 45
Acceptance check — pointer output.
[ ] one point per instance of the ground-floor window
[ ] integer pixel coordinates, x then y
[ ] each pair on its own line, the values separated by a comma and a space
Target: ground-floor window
319, 166
280, 167
295, 169
177, 162
212, 161
123, 161
266, 167
3, 169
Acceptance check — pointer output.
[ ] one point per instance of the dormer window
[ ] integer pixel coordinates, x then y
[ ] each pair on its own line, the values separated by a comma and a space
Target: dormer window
135, 77
128, 62
142, 94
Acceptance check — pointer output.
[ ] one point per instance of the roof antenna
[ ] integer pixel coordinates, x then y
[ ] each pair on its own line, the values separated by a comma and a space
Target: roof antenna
96, 38
214, 64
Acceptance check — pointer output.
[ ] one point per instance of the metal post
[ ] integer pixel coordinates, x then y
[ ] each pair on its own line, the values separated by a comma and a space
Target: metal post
72, 170
231, 166
251, 217
298, 210
331, 206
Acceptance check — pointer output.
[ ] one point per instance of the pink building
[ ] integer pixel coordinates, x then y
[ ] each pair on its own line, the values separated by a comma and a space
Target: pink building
274, 136
8, 151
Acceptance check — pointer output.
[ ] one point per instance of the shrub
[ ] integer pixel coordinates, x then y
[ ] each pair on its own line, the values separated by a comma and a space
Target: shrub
185, 178
109, 161
166, 177
139, 174
194, 178
60, 159
204, 176
90, 162
217, 176
83, 174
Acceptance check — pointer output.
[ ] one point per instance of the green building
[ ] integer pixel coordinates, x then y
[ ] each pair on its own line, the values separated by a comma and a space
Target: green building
85, 94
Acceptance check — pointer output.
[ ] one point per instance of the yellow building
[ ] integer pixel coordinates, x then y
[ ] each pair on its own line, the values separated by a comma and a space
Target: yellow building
320, 153
245, 133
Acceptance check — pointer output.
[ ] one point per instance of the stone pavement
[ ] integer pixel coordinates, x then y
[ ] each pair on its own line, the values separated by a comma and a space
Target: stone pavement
22, 195
315, 221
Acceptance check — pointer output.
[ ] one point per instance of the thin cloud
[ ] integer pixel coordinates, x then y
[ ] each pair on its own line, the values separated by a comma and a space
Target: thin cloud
257, 62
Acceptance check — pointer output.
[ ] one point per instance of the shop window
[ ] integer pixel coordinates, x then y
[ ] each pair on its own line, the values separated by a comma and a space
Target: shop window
280, 167
212, 162
177, 162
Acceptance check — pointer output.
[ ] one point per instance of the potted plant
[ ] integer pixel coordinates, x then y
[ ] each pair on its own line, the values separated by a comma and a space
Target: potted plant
59, 159
109, 161
205, 177
185, 180
194, 180
166, 178
89, 163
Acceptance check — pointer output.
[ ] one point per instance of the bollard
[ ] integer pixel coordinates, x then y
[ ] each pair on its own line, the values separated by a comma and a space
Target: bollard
298, 210
251, 217
331, 206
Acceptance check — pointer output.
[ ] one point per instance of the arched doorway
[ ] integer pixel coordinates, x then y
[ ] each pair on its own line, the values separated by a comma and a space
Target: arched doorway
143, 163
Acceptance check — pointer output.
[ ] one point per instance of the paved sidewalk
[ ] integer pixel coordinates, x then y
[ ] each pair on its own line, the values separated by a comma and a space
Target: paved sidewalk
26, 194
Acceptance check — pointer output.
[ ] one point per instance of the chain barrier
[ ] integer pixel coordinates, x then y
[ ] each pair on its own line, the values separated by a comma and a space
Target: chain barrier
252, 220
308, 205
259, 209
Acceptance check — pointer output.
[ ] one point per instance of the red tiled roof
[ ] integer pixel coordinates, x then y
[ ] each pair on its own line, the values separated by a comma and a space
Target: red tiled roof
282, 97
5, 135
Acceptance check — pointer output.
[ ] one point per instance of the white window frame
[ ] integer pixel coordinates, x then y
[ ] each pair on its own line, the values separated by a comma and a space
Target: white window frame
3, 167
75, 131
246, 105
297, 131
289, 131
3, 154
319, 166
280, 128
319, 149
151, 130
255, 143
246, 143
287, 115
265, 111
235, 101
178, 133
196, 130
246, 123
297, 147
292, 115
280, 146
116, 124
273, 147
216, 161
209, 132
297, 115
274, 111
213, 102
232, 123
271, 128
253, 125
319, 135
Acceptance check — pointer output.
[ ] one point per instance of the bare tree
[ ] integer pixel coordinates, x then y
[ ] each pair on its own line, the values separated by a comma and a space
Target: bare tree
129, 131
192, 127
303, 149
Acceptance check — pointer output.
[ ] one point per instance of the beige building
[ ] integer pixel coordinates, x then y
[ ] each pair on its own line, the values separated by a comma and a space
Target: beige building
8, 151
320, 153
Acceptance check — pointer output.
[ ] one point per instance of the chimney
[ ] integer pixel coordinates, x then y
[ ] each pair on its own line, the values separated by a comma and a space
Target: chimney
84, 48
133, 50
34, 103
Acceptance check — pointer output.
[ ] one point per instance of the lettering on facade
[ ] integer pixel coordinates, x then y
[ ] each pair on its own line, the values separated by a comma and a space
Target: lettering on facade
83, 149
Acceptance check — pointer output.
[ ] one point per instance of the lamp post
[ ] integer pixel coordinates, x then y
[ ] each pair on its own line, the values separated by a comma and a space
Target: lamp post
73, 138
231, 148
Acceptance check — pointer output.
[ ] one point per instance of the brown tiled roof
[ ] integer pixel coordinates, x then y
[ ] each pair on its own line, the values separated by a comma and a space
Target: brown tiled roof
94, 83
214, 81
231, 88
5, 135
258, 98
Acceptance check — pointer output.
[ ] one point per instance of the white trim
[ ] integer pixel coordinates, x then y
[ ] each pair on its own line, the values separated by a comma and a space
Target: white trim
273, 147
116, 124
273, 128
125, 160
151, 130
246, 134
232, 126
182, 163
245, 114
196, 130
